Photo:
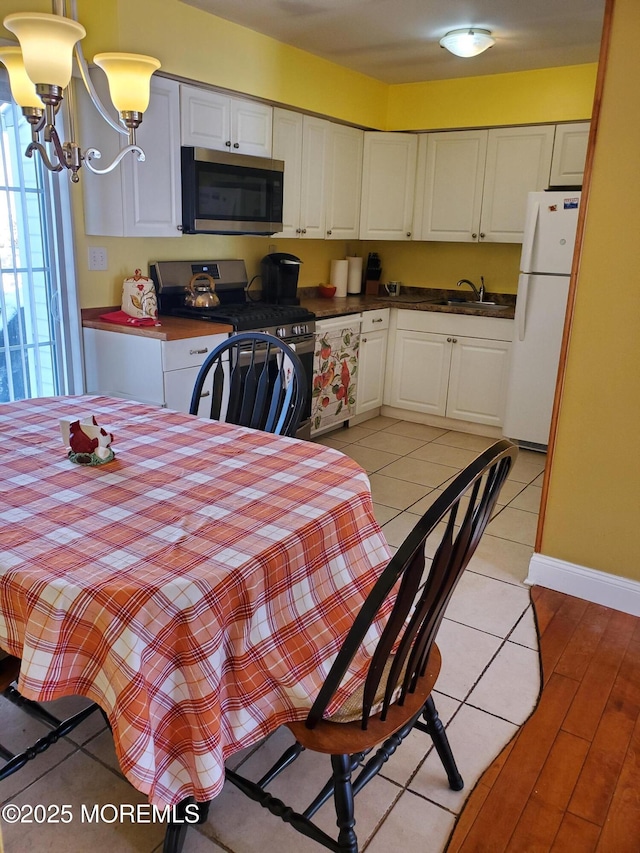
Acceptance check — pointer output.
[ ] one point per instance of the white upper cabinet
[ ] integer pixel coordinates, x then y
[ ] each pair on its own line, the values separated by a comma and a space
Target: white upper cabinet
322, 174
518, 162
313, 189
344, 182
224, 123
135, 199
388, 181
569, 154
449, 186
473, 185
287, 146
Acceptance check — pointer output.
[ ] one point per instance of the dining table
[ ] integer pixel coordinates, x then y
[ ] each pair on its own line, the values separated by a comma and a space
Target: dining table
197, 587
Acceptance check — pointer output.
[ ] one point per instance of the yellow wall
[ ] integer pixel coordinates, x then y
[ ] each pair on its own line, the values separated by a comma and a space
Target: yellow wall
594, 493
524, 97
195, 45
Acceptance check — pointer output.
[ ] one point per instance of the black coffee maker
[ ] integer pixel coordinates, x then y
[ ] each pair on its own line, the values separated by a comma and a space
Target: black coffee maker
280, 278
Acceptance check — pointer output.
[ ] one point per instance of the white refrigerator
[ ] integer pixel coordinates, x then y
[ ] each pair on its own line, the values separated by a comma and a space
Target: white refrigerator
541, 304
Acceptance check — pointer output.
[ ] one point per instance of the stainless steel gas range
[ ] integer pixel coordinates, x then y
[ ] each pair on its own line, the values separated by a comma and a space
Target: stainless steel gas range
176, 281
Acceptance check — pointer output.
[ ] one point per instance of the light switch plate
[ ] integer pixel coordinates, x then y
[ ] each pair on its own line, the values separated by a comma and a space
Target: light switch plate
97, 258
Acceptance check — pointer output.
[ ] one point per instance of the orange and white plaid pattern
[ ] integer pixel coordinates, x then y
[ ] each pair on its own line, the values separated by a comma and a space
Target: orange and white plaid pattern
197, 587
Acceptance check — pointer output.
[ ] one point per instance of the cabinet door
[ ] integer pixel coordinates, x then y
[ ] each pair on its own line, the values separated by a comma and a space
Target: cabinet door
450, 182
388, 181
135, 199
152, 189
251, 127
205, 118
569, 154
287, 146
121, 365
518, 162
478, 380
344, 182
315, 136
371, 369
420, 372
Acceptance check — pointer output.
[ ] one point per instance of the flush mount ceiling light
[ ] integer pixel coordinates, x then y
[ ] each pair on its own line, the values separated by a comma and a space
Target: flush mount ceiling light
40, 71
466, 42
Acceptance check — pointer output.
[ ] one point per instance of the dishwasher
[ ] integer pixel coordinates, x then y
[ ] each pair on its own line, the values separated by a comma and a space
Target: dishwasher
335, 372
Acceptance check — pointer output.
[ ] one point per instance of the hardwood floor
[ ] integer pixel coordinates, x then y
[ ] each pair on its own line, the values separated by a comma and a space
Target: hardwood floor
569, 782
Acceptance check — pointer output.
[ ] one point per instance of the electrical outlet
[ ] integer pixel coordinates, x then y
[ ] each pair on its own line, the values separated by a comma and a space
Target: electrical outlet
97, 258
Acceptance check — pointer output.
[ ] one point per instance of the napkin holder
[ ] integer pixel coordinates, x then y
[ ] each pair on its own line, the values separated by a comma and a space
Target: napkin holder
86, 441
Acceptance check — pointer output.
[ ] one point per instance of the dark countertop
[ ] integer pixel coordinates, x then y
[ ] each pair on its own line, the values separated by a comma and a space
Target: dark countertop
413, 299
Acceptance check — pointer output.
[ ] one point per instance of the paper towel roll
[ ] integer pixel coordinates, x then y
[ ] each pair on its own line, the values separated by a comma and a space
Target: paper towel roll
339, 275
354, 278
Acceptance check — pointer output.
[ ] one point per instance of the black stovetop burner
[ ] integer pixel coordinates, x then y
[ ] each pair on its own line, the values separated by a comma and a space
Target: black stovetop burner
247, 315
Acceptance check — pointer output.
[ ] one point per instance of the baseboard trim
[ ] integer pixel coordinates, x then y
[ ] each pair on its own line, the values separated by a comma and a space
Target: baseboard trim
590, 584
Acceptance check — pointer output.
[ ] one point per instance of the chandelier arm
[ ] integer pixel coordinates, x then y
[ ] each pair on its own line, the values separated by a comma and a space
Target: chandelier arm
94, 154
39, 147
88, 82
91, 89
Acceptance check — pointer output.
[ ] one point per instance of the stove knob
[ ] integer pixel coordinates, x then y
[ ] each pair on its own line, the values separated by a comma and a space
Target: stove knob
281, 332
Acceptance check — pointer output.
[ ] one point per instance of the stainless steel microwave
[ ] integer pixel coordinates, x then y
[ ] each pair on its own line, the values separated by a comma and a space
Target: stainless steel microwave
225, 193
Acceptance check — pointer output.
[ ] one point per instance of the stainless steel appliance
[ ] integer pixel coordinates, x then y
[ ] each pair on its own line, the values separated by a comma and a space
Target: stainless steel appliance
543, 287
226, 193
280, 278
293, 324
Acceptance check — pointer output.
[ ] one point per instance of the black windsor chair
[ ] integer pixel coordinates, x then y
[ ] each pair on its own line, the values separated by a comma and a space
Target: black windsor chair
255, 380
396, 695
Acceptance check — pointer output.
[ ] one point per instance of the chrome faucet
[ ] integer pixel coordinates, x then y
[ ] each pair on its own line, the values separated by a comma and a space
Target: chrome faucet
479, 293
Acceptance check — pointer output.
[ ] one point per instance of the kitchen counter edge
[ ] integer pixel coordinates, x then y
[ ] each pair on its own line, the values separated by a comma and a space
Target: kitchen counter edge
170, 328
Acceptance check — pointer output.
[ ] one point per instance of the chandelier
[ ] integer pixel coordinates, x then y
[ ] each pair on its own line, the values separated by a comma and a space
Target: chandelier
40, 72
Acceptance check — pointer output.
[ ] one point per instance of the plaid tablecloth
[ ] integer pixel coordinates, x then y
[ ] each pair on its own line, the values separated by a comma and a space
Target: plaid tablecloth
197, 587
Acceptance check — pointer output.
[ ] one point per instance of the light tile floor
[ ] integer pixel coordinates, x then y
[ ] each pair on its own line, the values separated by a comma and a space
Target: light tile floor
488, 686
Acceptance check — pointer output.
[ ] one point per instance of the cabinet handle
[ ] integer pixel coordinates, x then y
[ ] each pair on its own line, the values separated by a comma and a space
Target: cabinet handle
363, 340
481, 236
236, 145
455, 340
408, 233
474, 236
377, 320
304, 231
298, 230
198, 351
449, 340
205, 394
228, 143
329, 232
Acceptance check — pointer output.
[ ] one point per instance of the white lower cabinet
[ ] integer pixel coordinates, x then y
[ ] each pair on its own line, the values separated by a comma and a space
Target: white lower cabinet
149, 370
372, 358
450, 366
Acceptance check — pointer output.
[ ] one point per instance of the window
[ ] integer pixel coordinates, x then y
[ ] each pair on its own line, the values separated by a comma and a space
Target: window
39, 318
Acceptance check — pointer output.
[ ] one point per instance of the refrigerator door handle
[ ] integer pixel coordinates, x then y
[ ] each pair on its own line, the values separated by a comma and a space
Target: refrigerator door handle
521, 312
531, 226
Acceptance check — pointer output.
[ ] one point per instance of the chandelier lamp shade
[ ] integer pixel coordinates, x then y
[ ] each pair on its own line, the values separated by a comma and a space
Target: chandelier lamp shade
40, 71
467, 42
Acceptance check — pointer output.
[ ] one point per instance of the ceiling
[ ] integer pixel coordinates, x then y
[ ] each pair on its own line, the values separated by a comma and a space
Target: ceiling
396, 41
